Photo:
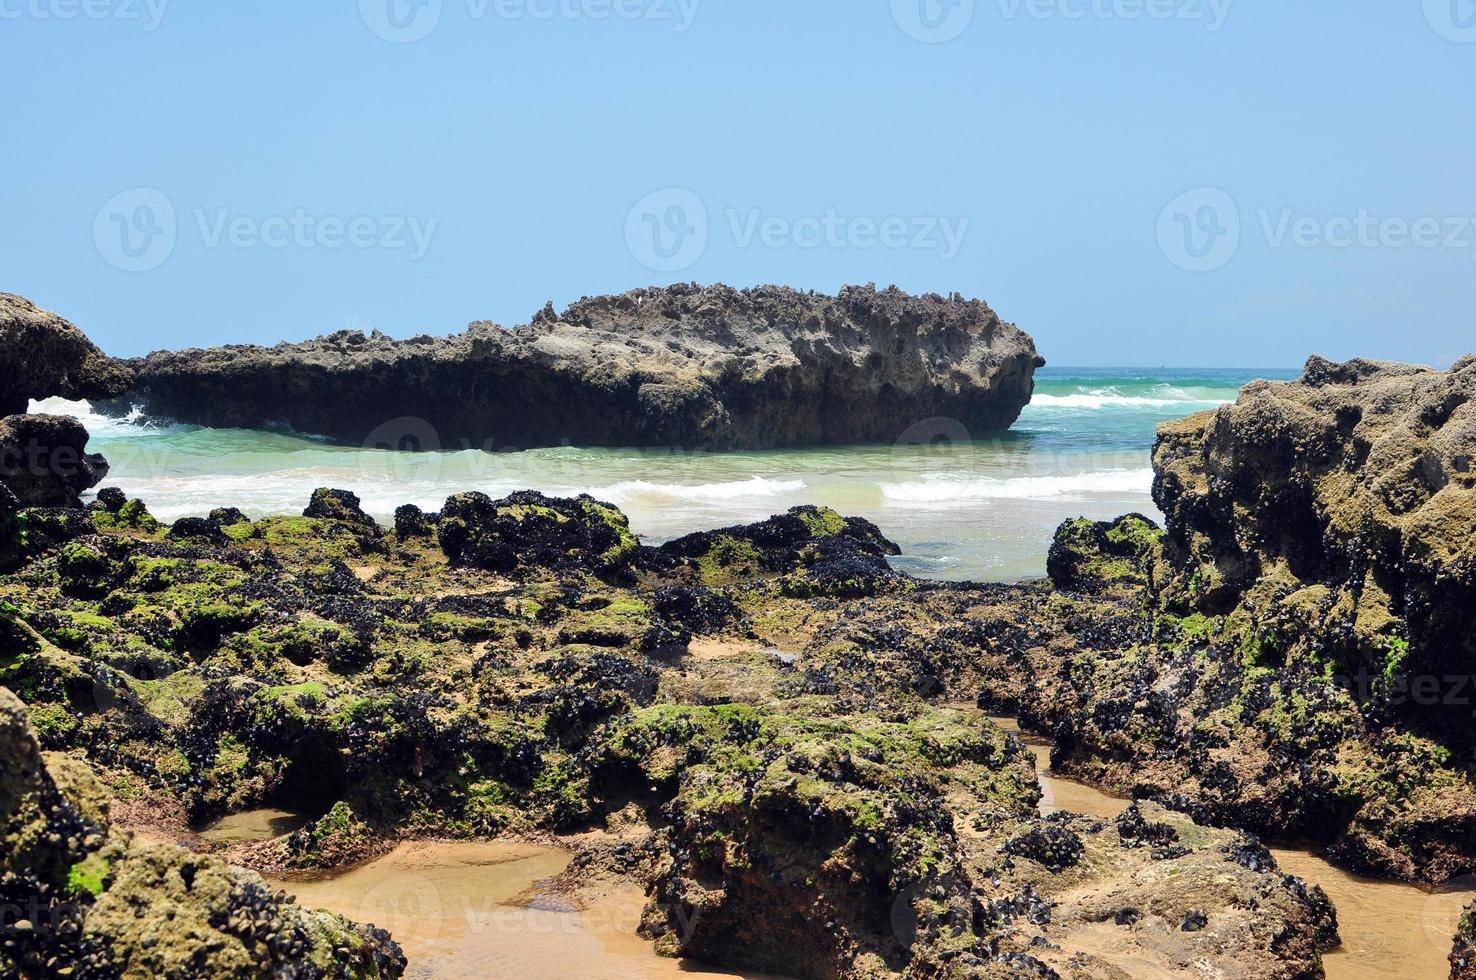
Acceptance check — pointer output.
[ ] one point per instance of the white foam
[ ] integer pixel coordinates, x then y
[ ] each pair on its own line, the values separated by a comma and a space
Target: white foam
1164, 396
754, 486
97, 425
942, 489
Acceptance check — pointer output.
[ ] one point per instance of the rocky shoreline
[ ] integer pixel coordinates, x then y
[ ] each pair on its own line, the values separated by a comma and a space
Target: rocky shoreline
776, 735
695, 367
796, 791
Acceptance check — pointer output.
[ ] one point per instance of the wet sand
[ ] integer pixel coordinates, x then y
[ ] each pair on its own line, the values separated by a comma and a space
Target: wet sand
1388, 929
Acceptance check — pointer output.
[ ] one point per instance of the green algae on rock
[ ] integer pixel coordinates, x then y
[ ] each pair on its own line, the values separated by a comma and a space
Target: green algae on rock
385, 686
96, 903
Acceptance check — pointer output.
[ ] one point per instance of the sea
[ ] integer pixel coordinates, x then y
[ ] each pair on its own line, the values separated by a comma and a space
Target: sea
961, 506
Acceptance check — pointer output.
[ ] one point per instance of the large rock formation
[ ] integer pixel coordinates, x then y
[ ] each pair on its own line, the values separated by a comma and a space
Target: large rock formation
1341, 506
42, 355
690, 366
1294, 655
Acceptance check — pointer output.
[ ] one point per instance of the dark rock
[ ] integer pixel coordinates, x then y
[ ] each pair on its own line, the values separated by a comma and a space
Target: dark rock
1055, 847
528, 530
44, 460
226, 516
690, 366
200, 530
698, 609
44, 356
814, 549
111, 499
1463, 949
1090, 556
98, 903
339, 505
412, 522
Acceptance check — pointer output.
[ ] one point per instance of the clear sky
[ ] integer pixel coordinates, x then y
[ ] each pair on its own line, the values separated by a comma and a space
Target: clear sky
1141, 182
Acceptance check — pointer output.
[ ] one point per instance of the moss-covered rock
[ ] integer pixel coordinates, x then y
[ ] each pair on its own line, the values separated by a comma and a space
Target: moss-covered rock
527, 533
1091, 556
1463, 949
98, 903
339, 505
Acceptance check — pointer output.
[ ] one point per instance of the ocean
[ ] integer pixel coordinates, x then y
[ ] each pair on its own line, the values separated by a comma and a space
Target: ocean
960, 508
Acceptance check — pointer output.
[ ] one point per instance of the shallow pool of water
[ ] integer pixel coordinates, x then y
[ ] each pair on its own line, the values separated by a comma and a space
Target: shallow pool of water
253, 825
483, 909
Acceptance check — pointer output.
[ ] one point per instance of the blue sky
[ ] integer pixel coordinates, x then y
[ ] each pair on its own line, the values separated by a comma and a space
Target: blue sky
1182, 182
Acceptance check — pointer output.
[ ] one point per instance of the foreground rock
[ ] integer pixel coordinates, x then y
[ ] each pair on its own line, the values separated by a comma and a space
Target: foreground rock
85, 900
763, 726
688, 366
1294, 655
42, 355
44, 460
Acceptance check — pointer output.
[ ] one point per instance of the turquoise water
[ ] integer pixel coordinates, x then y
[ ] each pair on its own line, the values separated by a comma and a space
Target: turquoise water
960, 508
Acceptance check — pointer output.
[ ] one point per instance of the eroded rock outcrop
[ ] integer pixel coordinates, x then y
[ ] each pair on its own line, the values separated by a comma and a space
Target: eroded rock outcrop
81, 899
44, 460
687, 366
1342, 505
43, 355
1295, 654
